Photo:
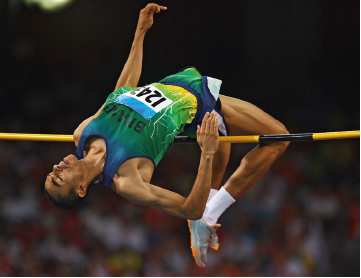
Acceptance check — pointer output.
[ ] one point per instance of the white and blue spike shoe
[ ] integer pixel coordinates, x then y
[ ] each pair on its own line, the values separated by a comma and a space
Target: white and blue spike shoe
203, 236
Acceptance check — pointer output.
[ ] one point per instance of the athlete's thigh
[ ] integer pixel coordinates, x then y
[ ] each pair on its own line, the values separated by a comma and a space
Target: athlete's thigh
244, 118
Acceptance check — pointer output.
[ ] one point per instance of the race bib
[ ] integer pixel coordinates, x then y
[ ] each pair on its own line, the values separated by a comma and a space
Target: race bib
147, 101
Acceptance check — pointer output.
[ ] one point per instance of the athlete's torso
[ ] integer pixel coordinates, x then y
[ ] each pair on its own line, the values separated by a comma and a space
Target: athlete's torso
142, 122
132, 129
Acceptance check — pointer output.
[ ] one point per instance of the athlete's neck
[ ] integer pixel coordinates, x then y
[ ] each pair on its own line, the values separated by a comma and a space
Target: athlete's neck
93, 161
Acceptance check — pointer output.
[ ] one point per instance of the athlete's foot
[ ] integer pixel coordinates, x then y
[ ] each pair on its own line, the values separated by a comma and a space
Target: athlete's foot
202, 237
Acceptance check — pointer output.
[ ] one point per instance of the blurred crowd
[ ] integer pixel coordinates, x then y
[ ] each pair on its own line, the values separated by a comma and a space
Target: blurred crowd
301, 219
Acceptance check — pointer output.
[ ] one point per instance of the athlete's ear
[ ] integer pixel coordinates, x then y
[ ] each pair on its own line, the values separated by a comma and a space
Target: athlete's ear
82, 190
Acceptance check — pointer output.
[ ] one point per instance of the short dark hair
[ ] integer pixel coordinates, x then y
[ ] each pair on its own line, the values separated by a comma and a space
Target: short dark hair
68, 202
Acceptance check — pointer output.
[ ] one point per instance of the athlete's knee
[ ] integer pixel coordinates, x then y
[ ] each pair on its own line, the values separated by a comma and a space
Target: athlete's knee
284, 144
279, 128
280, 146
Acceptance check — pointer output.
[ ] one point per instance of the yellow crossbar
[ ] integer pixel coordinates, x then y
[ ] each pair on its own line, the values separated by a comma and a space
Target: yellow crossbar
336, 135
36, 137
223, 139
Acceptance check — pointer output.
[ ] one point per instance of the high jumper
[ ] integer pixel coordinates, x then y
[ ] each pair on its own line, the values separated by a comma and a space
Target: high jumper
121, 144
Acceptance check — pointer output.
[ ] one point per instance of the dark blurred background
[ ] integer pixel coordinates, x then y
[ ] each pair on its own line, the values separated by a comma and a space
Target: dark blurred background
297, 60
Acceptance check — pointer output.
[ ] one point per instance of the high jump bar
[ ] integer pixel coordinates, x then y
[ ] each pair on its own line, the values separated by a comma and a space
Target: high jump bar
185, 139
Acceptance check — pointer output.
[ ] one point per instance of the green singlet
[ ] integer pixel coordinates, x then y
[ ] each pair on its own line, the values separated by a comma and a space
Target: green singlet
142, 122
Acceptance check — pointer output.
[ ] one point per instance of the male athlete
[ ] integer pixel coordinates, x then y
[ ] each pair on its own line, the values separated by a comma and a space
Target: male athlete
123, 142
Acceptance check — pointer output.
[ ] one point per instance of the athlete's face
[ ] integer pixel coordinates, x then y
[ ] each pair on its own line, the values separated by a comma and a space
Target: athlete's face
64, 176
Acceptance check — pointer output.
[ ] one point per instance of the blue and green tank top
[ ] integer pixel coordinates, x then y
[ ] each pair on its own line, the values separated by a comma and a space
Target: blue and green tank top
143, 121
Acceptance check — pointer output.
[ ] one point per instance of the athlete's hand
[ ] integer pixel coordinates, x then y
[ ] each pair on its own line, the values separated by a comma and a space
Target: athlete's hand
207, 134
146, 16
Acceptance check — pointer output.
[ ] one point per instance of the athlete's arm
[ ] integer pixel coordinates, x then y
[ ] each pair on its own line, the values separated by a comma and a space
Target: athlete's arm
134, 189
133, 67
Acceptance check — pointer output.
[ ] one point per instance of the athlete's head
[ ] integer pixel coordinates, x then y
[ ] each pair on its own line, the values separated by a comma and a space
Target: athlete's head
65, 186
